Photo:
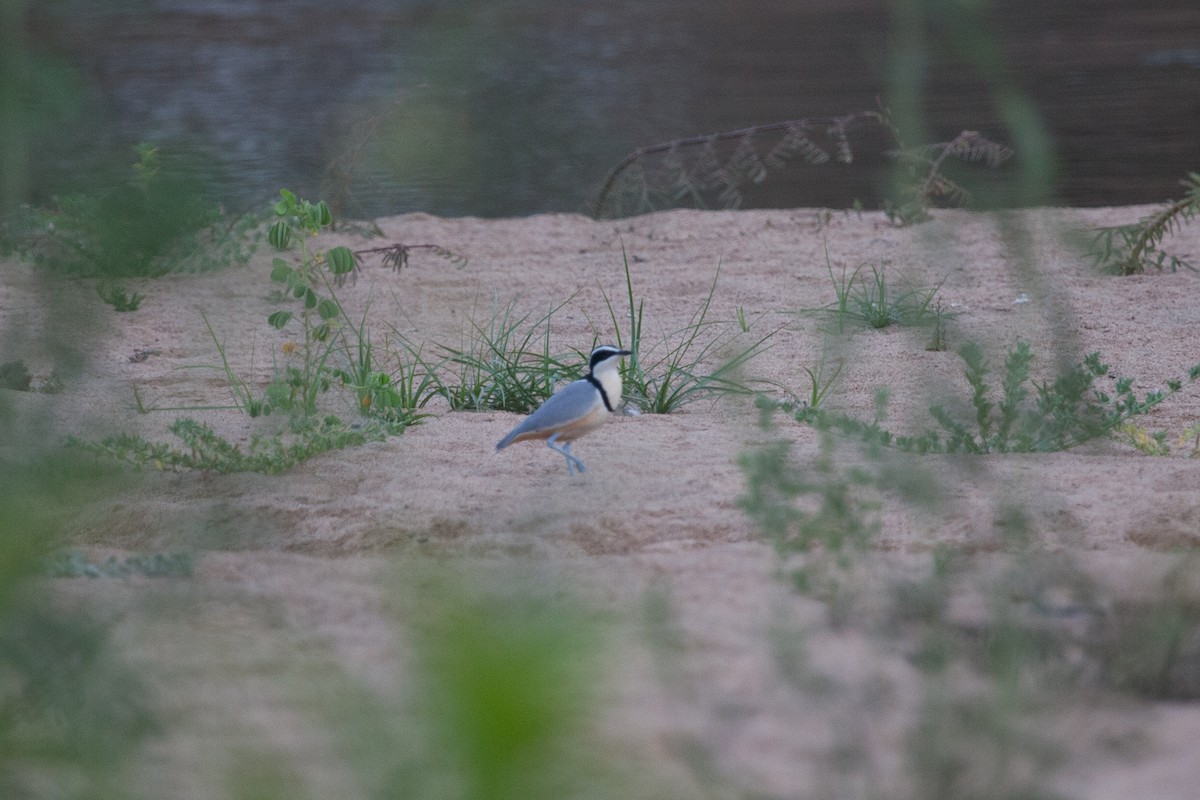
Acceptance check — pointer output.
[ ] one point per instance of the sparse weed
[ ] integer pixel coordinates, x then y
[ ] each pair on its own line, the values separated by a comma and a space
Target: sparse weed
74, 564
243, 397
1152, 443
937, 329
116, 296
203, 449
660, 379
1137, 248
743, 323
506, 363
1064, 413
414, 379
1058, 415
373, 387
1155, 443
394, 389
869, 301
821, 381
1192, 434
15, 375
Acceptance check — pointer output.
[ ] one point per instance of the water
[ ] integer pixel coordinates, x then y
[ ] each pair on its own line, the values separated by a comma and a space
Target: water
513, 108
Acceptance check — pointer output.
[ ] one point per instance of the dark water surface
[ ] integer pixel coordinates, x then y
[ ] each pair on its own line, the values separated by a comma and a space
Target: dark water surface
494, 108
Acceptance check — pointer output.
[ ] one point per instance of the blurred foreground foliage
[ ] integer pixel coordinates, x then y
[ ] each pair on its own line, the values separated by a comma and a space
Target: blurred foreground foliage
71, 712
157, 219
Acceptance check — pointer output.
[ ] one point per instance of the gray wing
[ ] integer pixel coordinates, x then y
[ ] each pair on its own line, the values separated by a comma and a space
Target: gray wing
568, 404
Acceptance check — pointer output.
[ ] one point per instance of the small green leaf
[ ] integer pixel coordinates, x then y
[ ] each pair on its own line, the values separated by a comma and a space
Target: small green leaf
328, 309
321, 332
280, 235
310, 299
341, 260
280, 270
279, 319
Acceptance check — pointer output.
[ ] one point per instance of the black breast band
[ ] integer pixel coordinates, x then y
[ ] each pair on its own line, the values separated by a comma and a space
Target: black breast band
590, 378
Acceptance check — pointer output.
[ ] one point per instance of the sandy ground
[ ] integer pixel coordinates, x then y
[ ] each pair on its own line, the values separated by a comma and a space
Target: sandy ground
306, 572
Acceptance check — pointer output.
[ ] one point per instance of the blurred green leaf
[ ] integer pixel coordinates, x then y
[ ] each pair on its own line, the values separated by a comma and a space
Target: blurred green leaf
280, 235
328, 309
279, 319
341, 260
280, 270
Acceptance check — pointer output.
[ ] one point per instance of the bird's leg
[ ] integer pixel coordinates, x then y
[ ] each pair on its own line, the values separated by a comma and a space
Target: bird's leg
573, 462
573, 457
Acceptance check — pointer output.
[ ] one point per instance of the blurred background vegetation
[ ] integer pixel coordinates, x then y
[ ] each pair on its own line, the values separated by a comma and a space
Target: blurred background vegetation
493, 109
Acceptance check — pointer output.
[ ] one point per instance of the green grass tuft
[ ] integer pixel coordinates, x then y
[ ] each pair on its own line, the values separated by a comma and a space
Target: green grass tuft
702, 360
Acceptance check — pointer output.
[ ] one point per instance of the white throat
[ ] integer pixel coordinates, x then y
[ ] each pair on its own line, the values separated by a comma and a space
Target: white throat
608, 376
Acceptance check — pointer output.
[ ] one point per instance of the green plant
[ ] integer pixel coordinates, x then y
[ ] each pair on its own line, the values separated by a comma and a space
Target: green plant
15, 375
871, 302
394, 394
743, 323
203, 449
243, 397
1154, 443
310, 280
1135, 248
660, 384
1192, 434
506, 362
414, 378
74, 564
389, 396
937, 329
156, 221
820, 383
1064, 413
117, 297
1057, 415
1150, 443
505, 682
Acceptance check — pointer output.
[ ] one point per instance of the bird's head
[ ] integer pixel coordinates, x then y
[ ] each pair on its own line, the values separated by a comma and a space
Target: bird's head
605, 357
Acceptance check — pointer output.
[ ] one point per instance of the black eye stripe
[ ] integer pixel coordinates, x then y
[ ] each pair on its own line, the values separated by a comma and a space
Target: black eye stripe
603, 354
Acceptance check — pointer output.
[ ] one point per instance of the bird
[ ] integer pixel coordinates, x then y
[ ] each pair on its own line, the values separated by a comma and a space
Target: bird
576, 409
